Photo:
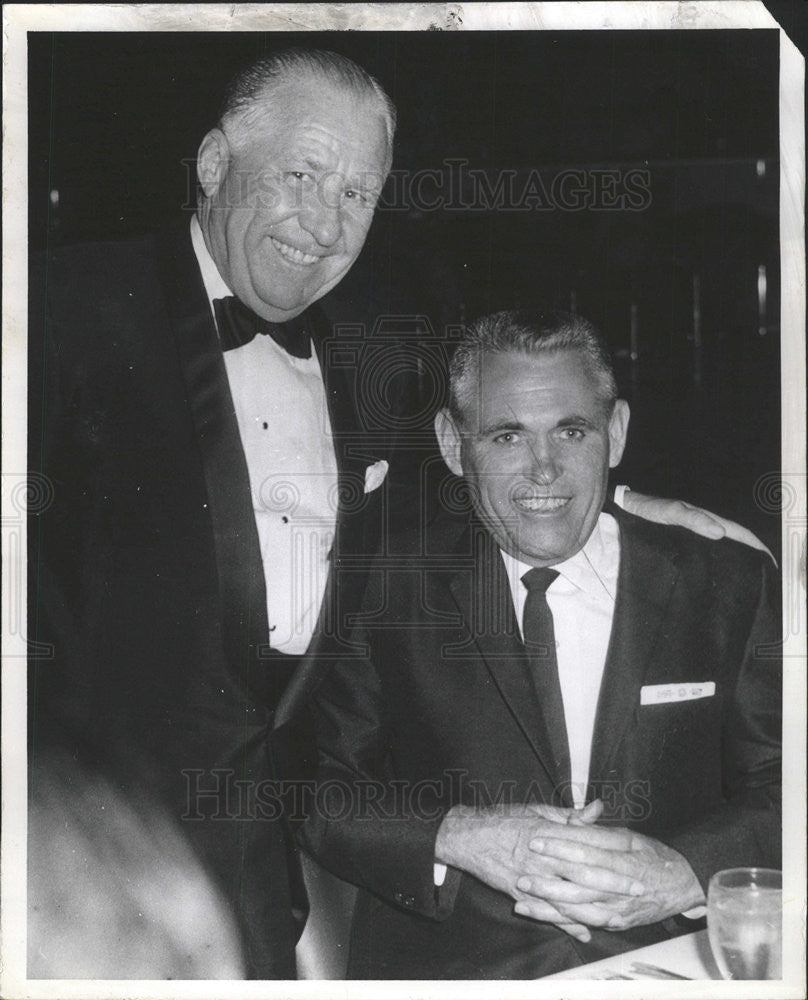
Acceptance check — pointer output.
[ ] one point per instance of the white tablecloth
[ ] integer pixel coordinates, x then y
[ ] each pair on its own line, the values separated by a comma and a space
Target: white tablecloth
689, 955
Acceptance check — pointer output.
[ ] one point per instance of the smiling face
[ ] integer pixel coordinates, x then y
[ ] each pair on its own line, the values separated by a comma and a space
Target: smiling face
290, 194
536, 444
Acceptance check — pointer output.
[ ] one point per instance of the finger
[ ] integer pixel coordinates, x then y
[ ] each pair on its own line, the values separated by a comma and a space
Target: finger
537, 910
556, 814
673, 512
740, 534
561, 890
589, 914
595, 882
589, 814
585, 855
700, 522
601, 837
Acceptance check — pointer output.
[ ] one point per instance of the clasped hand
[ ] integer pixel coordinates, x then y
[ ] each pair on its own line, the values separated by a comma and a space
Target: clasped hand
561, 868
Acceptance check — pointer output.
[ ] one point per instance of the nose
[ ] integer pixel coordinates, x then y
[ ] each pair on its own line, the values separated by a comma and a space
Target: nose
545, 467
321, 217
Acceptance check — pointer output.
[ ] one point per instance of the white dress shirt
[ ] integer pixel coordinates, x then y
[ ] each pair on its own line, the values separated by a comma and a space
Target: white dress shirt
285, 430
581, 600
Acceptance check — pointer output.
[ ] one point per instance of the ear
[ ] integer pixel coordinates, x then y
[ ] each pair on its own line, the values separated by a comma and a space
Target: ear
212, 161
449, 440
618, 431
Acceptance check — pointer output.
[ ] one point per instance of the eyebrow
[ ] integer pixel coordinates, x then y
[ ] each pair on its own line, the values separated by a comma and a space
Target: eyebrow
503, 425
358, 181
574, 420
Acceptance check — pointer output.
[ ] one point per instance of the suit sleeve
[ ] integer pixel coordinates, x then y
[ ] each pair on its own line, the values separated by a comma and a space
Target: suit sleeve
746, 828
364, 825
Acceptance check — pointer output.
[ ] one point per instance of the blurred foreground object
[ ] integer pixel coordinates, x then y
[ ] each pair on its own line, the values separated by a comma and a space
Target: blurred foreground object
114, 890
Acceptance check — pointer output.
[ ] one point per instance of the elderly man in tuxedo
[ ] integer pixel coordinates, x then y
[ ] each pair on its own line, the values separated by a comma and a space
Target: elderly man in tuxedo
559, 720
204, 453
210, 474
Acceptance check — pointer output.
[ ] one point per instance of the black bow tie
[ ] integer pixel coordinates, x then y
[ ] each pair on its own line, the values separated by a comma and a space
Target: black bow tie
238, 325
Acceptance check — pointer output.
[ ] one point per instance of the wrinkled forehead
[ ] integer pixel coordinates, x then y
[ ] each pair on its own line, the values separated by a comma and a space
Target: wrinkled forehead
529, 388
310, 109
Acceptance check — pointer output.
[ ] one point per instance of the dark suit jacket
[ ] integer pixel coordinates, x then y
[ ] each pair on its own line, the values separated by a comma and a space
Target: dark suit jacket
442, 710
145, 571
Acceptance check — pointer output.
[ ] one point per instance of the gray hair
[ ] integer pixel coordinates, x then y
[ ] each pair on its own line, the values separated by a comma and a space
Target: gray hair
255, 82
541, 332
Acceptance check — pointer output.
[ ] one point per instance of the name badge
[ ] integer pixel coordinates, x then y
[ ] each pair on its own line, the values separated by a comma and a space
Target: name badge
659, 694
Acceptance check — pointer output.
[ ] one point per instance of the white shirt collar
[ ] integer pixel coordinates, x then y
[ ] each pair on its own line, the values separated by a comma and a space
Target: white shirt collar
215, 285
593, 569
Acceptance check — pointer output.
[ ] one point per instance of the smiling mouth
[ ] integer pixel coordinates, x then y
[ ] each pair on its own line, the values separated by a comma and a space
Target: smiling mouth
541, 505
292, 254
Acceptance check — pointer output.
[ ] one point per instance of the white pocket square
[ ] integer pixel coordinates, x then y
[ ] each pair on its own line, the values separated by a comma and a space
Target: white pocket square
374, 475
660, 694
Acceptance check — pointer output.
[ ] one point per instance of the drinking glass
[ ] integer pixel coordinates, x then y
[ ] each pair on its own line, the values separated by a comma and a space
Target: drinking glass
745, 922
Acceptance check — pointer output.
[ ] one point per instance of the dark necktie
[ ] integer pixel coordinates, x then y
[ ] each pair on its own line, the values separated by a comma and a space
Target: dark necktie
539, 636
238, 325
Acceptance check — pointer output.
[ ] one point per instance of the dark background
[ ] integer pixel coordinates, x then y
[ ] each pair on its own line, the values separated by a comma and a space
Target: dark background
116, 119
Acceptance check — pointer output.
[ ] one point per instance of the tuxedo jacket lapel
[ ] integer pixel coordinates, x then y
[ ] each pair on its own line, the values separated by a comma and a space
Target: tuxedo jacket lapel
645, 583
338, 364
483, 598
339, 396
229, 498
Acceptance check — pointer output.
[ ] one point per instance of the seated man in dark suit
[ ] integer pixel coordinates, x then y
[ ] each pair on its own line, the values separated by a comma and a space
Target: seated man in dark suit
560, 720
